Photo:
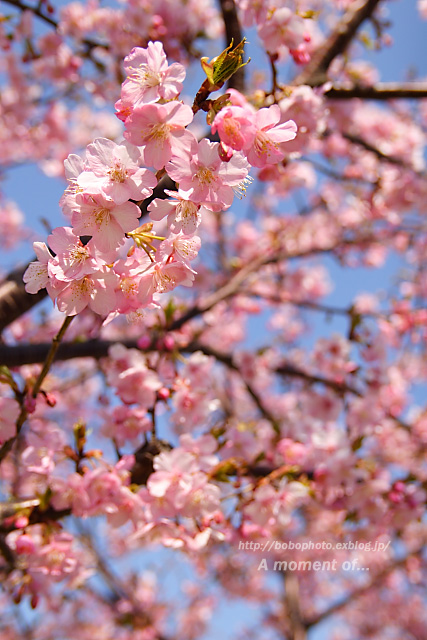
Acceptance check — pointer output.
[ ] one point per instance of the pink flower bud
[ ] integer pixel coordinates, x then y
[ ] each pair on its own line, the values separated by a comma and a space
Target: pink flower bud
168, 343
163, 393
21, 522
143, 343
395, 496
25, 544
50, 399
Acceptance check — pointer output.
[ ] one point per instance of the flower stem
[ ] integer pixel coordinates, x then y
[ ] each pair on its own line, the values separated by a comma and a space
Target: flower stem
51, 355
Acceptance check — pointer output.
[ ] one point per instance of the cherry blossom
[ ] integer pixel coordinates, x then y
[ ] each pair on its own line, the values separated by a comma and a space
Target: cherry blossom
94, 290
266, 146
282, 27
36, 276
235, 127
117, 170
100, 217
149, 76
162, 276
73, 260
159, 130
182, 214
204, 178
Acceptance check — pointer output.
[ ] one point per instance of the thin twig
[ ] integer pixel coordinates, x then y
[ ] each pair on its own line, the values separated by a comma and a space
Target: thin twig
315, 72
90, 44
7, 446
51, 355
357, 140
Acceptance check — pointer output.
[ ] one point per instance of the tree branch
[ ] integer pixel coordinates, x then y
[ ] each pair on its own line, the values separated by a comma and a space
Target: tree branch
37, 515
233, 32
315, 72
15, 356
90, 44
14, 300
227, 360
298, 628
380, 91
35, 10
287, 369
380, 155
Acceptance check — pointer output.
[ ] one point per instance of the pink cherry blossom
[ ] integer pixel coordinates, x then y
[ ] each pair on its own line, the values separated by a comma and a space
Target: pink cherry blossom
133, 380
235, 127
204, 178
149, 77
182, 214
283, 27
95, 290
267, 143
36, 276
12, 229
130, 272
180, 248
172, 468
126, 424
164, 276
100, 217
159, 130
114, 168
73, 260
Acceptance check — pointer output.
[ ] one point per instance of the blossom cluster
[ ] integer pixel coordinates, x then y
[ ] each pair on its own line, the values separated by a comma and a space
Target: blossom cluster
282, 29
92, 263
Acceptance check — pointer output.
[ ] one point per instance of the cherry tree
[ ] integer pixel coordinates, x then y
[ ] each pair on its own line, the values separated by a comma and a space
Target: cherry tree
179, 427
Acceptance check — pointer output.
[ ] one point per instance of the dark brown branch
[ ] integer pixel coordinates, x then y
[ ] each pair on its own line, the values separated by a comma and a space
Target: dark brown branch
233, 32
315, 72
36, 516
380, 91
382, 156
14, 300
30, 354
15, 356
290, 370
35, 10
90, 44
227, 360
